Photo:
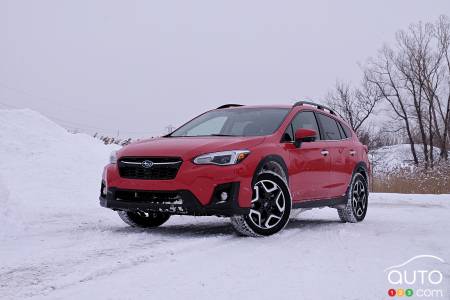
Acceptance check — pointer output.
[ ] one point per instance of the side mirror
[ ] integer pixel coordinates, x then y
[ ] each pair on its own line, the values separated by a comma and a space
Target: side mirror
303, 135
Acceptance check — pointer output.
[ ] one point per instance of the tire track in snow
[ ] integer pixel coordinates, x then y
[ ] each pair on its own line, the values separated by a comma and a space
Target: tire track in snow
104, 259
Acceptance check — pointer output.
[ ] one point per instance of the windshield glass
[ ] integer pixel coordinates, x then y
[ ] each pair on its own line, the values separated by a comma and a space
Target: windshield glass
234, 122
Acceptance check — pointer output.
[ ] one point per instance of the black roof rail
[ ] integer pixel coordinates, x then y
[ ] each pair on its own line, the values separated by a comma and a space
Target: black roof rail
319, 106
229, 105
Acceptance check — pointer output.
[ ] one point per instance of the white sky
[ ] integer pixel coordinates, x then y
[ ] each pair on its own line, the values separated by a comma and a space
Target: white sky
138, 66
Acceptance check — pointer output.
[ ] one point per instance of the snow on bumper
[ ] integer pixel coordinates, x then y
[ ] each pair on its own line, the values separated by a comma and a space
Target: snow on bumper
198, 185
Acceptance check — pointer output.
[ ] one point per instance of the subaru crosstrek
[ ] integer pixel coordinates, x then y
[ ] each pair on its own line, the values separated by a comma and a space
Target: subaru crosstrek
253, 164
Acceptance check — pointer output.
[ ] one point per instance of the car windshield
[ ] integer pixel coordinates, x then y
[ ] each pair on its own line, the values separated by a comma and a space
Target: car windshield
234, 122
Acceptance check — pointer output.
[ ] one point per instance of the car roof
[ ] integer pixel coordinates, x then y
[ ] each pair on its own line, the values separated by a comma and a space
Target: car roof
309, 106
259, 106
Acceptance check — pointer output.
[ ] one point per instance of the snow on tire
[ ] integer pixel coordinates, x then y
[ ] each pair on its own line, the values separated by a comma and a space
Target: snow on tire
270, 210
357, 200
143, 219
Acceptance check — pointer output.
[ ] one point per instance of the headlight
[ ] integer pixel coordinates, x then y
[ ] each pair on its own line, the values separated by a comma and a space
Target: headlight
224, 158
113, 157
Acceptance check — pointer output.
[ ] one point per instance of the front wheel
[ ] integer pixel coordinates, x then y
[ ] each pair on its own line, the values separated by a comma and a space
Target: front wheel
270, 210
143, 219
356, 207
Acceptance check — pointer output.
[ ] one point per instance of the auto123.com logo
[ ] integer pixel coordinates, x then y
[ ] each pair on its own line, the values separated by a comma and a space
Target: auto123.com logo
421, 276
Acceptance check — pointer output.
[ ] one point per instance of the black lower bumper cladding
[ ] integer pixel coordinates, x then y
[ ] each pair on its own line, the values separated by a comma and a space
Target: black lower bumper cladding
180, 202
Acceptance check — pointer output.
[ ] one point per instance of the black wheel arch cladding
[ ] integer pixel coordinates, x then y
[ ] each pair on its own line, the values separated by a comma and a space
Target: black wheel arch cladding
361, 167
271, 158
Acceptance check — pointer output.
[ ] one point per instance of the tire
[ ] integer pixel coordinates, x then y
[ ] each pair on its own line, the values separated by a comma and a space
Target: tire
143, 219
271, 207
357, 200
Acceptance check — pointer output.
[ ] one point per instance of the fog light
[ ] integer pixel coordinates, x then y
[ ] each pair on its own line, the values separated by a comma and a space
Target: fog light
224, 196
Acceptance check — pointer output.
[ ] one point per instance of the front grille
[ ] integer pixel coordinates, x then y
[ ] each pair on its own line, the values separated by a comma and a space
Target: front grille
162, 168
161, 197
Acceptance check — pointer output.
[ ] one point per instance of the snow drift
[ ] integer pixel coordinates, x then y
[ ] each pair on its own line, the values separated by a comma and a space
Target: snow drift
45, 169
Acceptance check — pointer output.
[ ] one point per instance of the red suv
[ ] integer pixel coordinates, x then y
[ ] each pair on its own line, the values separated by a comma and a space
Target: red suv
253, 164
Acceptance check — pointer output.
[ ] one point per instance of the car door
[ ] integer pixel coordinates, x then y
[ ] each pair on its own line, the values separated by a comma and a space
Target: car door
331, 134
309, 164
349, 153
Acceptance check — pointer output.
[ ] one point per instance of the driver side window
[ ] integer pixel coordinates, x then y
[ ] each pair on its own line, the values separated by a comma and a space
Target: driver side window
305, 119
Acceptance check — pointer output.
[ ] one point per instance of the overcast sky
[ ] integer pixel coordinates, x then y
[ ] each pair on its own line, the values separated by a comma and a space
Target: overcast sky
138, 66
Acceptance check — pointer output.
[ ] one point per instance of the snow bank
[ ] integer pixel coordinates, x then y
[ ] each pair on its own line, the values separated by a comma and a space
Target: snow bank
390, 158
45, 169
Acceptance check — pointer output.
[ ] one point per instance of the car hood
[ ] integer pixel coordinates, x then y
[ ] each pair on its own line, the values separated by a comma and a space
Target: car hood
187, 147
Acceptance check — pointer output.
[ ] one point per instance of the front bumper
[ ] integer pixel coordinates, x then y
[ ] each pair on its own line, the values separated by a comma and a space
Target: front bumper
200, 180
179, 202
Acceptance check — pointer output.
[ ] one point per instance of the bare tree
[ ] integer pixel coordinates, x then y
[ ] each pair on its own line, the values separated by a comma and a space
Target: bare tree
414, 78
414, 60
382, 73
442, 99
352, 104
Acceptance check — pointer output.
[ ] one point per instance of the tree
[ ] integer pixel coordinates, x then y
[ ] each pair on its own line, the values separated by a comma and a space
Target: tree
352, 104
413, 76
382, 73
442, 34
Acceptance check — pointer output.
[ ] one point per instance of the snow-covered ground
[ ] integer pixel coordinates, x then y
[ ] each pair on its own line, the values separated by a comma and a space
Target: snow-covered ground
56, 242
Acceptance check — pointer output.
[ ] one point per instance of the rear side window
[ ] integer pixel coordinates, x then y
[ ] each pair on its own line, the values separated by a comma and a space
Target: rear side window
305, 119
348, 132
330, 130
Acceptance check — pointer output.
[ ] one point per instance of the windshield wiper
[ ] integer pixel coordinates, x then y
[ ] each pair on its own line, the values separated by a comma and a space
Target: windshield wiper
219, 134
214, 134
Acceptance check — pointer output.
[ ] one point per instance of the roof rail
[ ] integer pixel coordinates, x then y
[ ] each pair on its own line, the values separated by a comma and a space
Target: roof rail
319, 106
229, 105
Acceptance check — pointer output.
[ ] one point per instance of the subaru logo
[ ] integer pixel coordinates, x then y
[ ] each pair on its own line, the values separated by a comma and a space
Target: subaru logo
147, 164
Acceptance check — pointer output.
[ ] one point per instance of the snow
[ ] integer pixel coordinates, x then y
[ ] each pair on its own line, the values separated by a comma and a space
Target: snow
390, 158
56, 242
46, 169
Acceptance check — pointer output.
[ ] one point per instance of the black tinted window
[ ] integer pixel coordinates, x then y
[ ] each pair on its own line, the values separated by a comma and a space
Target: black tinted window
347, 130
341, 131
307, 120
330, 130
288, 135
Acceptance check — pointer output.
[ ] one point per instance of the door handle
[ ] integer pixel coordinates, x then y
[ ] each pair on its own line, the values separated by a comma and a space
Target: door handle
324, 152
352, 152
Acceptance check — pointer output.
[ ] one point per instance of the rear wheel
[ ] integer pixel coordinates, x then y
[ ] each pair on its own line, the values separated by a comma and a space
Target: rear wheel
356, 207
270, 210
143, 219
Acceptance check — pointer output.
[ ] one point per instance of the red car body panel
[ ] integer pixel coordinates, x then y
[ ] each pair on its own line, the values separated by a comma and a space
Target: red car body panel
311, 174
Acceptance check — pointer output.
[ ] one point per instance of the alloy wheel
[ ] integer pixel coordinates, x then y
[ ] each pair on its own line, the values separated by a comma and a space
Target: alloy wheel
268, 204
359, 198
